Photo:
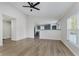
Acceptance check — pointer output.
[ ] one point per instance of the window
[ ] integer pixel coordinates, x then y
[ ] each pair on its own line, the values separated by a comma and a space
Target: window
42, 27
54, 27
38, 27
47, 27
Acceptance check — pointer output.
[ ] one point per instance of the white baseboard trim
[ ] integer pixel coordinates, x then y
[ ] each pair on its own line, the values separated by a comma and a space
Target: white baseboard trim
18, 39
42, 38
48, 39
1, 44
69, 48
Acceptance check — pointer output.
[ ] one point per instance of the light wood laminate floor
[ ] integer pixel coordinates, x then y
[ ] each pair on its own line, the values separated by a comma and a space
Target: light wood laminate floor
34, 47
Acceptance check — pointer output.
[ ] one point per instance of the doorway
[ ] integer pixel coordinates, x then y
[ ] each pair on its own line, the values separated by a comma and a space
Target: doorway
7, 29
36, 33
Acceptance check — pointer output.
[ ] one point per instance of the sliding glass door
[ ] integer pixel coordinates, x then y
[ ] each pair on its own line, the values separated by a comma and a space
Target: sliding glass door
72, 32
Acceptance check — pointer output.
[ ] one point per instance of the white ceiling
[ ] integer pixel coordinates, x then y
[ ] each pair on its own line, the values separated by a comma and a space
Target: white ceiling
47, 9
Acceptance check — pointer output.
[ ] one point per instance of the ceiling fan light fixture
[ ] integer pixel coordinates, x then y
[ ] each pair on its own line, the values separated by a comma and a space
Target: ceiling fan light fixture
32, 5
30, 9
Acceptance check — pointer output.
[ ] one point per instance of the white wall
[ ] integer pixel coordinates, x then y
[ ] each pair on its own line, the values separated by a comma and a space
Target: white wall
21, 20
33, 21
6, 30
50, 34
13, 29
63, 23
1, 29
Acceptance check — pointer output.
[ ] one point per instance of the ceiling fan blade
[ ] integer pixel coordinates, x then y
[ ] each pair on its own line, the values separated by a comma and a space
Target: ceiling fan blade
36, 3
36, 8
29, 3
26, 6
